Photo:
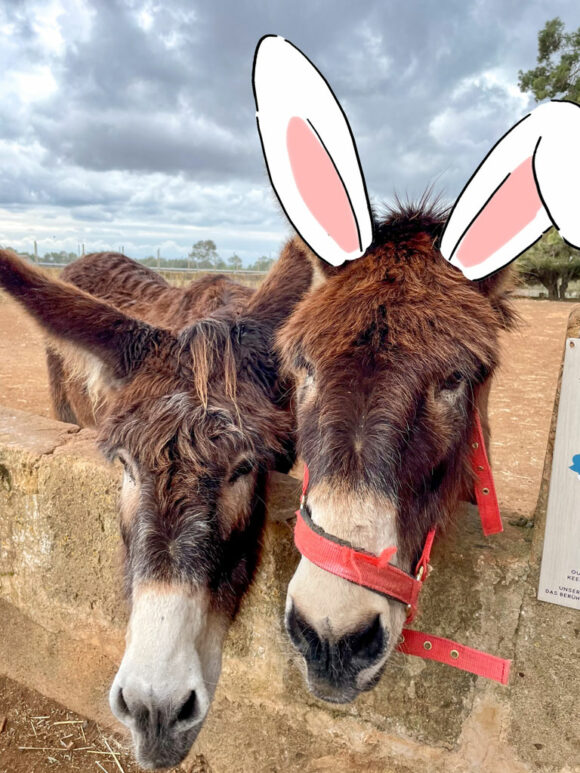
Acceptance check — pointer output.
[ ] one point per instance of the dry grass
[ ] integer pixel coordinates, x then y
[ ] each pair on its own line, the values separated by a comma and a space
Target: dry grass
38, 735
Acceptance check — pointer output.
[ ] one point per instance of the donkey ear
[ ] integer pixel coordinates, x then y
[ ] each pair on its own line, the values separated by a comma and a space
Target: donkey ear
310, 153
526, 184
67, 313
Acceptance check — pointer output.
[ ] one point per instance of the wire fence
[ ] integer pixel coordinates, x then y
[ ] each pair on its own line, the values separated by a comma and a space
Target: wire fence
184, 270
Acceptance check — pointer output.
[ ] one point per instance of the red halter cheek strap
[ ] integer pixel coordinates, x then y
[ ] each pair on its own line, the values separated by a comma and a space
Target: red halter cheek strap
484, 486
379, 575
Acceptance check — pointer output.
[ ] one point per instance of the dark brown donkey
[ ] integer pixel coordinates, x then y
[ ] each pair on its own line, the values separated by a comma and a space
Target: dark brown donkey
393, 351
183, 387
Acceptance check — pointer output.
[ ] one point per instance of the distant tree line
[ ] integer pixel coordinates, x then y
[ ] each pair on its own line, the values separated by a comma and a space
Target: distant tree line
50, 257
203, 255
550, 262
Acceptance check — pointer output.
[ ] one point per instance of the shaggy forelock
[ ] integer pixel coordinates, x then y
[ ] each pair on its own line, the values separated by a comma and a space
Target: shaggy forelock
210, 347
162, 431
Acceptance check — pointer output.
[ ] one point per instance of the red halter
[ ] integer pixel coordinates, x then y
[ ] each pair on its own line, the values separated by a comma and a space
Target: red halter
380, 576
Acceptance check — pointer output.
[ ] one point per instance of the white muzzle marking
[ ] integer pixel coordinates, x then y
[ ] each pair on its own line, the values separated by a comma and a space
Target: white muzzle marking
169, 656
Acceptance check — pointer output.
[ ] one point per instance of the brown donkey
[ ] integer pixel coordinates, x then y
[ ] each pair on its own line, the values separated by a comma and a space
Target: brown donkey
393, 351
183, 387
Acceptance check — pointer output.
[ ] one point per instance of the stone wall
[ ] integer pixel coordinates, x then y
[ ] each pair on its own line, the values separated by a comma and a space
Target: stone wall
62, 619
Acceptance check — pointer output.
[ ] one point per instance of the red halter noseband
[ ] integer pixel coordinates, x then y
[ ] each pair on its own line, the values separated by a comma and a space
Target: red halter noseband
379, 575
373, 572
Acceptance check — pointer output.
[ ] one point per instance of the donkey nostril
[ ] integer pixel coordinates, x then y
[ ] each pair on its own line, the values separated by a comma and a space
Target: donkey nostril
138, 712
302, 635
121, 704
188, 710
370, 642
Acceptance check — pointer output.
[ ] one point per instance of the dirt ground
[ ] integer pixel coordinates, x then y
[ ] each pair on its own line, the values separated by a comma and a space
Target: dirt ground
23, 378
522, 401
520, 408
38, 735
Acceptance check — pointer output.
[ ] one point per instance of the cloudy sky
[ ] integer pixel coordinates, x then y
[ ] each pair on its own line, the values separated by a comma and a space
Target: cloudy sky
132, 122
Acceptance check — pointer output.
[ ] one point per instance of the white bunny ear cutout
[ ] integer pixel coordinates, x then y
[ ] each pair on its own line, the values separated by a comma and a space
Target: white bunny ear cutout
310, 153
528, 182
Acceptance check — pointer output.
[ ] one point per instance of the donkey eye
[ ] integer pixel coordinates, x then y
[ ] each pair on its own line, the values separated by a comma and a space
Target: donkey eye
453, 381
123, 461
244, 468
301, 363
127, 467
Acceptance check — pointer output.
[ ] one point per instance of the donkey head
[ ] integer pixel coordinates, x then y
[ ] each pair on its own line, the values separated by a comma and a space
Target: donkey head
393, 348
197, 418
197, 430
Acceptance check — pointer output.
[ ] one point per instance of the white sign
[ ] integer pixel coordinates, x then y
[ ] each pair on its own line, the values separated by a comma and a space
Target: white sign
560, 573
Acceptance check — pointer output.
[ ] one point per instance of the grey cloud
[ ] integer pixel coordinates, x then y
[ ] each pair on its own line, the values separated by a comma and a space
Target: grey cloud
153, 115
151, 142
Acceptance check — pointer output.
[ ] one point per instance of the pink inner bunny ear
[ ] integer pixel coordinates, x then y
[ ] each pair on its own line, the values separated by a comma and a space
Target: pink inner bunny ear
320, 184
513, 206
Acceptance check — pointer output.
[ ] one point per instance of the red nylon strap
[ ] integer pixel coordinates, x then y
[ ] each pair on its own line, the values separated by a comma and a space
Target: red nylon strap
422, 568
453, 654
485, 494
421, 571
373, 572
376, 572
305, 480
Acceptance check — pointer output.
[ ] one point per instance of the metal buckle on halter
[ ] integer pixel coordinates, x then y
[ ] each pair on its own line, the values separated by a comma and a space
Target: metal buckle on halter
418, 577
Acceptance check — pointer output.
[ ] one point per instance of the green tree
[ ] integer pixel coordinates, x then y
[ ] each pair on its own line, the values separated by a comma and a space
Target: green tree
557, 75
204, 255
552, 263
235, 262
262, 264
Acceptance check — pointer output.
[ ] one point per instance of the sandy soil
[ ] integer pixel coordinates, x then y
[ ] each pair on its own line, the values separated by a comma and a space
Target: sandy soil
520, 407
39, 735
23, 377
522, 401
